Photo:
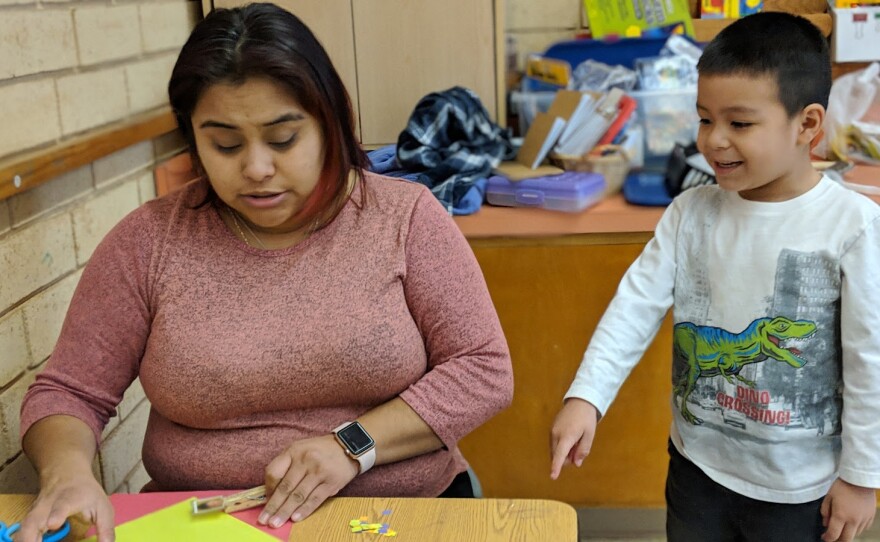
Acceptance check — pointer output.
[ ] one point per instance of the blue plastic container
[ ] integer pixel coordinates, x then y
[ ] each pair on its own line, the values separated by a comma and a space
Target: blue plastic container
612, 52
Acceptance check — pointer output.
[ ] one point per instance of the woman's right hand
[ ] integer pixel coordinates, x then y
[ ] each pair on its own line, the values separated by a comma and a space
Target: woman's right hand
572, 434
65, 492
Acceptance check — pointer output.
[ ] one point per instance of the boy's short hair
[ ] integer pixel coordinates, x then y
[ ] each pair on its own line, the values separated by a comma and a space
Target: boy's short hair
785, 46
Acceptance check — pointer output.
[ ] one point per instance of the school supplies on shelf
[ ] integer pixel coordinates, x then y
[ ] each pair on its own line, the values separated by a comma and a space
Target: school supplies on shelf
548, 70
587, 133
542, 134
563, 121
576, 108
610, 161
575, 123
625, 108
729, 9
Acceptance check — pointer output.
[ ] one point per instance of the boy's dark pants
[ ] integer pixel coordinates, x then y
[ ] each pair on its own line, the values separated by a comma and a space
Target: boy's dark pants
700, 510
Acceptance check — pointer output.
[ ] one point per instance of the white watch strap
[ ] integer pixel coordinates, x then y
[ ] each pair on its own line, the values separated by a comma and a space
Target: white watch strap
366, 459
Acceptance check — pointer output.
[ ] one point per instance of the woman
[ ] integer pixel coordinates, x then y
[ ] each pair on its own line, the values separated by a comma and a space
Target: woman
270, 304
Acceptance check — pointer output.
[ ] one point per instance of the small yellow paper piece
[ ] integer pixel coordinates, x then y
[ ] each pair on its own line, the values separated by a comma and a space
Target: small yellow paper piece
177, 522
362, 526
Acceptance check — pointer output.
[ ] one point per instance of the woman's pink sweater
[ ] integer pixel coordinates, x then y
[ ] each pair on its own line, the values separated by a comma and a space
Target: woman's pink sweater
242, 351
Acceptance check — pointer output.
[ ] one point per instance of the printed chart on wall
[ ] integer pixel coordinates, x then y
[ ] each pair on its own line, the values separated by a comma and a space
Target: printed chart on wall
631, 18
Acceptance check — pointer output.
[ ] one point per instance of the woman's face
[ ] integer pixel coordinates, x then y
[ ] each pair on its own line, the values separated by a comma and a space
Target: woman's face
262, 152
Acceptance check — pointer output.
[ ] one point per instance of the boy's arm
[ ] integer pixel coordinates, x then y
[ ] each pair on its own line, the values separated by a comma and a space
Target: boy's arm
632, 318
860, 340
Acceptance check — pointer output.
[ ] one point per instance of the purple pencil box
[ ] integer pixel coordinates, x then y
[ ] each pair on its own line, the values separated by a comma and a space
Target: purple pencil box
571, 191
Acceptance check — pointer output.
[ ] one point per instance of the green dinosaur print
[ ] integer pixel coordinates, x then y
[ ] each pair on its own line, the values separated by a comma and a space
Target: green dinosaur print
711, 351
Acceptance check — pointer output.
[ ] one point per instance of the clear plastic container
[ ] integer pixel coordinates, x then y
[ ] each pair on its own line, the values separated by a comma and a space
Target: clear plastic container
666, 116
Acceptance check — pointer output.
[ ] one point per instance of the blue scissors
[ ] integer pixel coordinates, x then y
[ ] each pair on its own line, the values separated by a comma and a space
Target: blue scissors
54, 536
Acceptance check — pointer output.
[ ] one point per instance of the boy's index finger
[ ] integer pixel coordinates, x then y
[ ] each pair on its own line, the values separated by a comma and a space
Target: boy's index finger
560, 454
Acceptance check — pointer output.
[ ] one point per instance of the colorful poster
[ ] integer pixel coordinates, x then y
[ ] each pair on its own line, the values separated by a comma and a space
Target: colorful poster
631, 18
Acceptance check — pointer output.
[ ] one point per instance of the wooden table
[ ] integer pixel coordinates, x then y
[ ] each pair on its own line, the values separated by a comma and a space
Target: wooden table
428, 520
418, 520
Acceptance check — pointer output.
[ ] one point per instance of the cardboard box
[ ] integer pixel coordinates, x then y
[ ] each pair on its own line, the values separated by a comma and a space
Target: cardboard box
856, 33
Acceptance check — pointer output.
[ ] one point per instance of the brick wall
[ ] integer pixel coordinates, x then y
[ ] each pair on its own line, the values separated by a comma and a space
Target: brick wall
66, 67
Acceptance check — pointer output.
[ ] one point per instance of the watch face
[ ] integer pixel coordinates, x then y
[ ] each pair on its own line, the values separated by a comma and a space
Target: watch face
355, 439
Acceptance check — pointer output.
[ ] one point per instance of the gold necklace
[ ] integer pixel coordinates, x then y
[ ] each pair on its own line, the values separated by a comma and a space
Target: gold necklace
349, 188
244, 238
239, 223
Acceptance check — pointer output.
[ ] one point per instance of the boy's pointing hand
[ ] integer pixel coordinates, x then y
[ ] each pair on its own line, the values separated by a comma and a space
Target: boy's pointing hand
572, 434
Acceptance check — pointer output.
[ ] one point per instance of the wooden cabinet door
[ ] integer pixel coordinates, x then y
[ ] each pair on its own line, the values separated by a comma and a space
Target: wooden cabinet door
331, 22
409, 48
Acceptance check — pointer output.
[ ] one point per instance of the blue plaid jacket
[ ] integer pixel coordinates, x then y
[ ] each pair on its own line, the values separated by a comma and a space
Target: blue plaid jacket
451, 143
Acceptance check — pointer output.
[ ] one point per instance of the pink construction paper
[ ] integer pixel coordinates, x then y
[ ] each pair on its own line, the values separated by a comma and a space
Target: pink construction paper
129, 506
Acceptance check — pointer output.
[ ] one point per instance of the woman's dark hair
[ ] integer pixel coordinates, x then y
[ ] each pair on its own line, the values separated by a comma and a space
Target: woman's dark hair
786, 47
263, 40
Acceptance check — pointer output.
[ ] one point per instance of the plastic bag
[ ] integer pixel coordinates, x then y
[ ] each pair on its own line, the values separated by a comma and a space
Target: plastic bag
600, 77
852, 123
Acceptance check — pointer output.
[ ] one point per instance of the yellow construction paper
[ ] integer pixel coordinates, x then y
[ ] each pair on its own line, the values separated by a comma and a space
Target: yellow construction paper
177, 523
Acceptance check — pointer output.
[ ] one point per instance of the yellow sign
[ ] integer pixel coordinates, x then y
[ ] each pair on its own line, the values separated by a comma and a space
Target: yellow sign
549, 70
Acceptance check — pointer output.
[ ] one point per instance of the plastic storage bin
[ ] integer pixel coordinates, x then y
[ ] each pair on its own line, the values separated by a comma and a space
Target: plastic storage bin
667, 117
570, 191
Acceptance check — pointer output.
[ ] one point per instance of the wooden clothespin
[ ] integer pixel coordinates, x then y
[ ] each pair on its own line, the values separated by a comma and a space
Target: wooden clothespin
230, 503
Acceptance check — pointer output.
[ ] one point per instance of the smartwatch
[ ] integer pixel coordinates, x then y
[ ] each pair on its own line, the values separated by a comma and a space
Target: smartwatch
357, 443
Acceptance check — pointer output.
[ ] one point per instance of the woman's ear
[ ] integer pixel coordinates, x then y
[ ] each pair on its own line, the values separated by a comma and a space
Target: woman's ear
810, 123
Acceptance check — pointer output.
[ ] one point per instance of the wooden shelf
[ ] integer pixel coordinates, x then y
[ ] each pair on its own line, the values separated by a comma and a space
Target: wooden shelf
22, 172
706, 29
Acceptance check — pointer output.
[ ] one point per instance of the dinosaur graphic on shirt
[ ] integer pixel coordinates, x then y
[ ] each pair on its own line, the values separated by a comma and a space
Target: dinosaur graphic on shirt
711, 351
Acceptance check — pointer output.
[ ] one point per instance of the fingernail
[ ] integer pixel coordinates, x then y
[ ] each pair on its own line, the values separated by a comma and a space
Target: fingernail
579, 461
276, 522
296, 517
264, 517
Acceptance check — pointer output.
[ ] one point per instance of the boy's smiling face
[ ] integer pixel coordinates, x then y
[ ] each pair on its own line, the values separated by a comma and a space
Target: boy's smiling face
749, 139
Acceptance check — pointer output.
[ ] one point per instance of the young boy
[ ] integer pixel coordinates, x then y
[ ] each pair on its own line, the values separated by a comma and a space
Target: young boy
776, 362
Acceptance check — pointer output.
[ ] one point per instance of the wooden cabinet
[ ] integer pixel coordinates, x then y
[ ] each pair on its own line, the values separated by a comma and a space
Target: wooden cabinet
550, 293
390, 53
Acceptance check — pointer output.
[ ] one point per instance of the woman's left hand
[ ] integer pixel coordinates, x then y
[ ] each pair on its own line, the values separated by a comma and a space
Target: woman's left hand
303, 476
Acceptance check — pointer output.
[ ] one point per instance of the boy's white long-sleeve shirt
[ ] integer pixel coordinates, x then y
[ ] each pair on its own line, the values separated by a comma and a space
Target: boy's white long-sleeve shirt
776, 362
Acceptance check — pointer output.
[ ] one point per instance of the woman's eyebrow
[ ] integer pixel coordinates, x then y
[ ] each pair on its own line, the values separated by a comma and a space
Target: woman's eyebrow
287, 117
217, 124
